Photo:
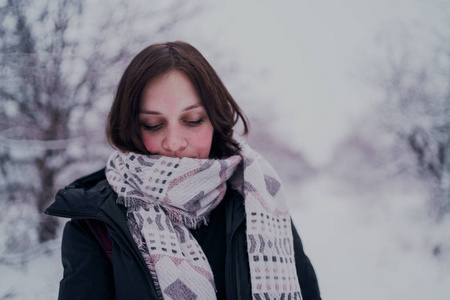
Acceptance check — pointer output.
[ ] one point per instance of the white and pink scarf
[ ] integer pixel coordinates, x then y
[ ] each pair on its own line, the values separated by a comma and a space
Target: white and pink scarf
165, 196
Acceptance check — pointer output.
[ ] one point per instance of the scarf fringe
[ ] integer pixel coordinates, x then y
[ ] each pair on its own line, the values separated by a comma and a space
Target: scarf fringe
134, 204
188, 221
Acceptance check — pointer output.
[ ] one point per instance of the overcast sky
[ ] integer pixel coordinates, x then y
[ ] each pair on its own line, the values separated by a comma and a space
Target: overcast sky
310, 52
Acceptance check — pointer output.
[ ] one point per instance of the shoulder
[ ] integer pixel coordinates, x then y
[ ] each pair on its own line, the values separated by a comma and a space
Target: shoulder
82, 197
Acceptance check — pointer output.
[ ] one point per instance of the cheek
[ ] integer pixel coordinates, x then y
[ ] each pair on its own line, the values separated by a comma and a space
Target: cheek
151, 143
202, 142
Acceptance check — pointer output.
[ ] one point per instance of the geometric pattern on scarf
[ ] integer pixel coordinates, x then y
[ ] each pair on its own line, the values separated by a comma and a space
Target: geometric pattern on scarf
269, 232
165, 196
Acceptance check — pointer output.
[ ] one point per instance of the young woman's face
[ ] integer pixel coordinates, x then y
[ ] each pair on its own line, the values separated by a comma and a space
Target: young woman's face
173, 121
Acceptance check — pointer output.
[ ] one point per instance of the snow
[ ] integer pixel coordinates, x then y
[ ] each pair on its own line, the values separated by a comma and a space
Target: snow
35, 279
371, 248
363, 245
371, 243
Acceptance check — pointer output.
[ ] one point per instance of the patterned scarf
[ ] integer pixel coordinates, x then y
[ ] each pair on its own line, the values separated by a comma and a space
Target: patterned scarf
165, 196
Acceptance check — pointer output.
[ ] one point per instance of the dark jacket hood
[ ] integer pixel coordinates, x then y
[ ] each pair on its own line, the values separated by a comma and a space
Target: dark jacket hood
87, 197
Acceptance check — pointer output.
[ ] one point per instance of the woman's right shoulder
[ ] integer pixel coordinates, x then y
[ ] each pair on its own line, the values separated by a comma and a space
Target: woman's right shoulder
82, 197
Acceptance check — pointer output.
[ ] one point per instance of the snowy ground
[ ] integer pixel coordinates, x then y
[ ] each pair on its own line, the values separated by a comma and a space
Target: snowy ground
363, 246
36, 279
372, 246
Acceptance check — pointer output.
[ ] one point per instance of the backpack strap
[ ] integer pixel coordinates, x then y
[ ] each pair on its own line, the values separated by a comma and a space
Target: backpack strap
98, 229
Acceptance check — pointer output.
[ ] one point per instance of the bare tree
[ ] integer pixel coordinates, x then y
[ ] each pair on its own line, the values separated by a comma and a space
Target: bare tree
58, 65
416, 105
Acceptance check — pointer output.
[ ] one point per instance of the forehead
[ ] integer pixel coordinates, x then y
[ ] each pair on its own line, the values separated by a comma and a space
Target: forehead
169, 90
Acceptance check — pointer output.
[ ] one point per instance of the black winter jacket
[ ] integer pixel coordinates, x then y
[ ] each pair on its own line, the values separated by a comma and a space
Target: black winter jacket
89, 274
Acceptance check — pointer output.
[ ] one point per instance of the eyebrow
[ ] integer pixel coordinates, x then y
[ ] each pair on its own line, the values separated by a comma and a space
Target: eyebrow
151, 112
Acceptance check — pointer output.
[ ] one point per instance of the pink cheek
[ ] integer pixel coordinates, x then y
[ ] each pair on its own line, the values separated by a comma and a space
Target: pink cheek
203, 141
151, 144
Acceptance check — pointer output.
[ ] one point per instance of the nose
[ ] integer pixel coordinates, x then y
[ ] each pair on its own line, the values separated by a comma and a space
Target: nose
174, 141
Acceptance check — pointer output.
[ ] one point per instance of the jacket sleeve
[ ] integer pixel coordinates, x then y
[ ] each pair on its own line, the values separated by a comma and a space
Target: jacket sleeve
305, 271
87, 270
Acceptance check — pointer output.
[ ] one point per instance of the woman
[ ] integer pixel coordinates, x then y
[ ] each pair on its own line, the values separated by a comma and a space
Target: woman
184, 209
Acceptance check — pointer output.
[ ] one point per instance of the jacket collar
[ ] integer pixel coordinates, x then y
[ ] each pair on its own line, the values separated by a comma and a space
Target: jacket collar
86, 197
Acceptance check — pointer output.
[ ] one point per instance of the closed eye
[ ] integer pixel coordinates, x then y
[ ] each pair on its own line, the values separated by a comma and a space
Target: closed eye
152, 127
195, 123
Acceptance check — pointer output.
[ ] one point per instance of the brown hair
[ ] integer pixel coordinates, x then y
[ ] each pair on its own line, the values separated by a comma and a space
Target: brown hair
122, 128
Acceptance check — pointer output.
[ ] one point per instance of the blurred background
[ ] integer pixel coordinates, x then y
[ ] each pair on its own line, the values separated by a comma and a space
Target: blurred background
349, 100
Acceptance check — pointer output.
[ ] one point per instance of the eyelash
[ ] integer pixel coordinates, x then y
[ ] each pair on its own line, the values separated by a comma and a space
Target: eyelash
151, 128
195, 123
159, 126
